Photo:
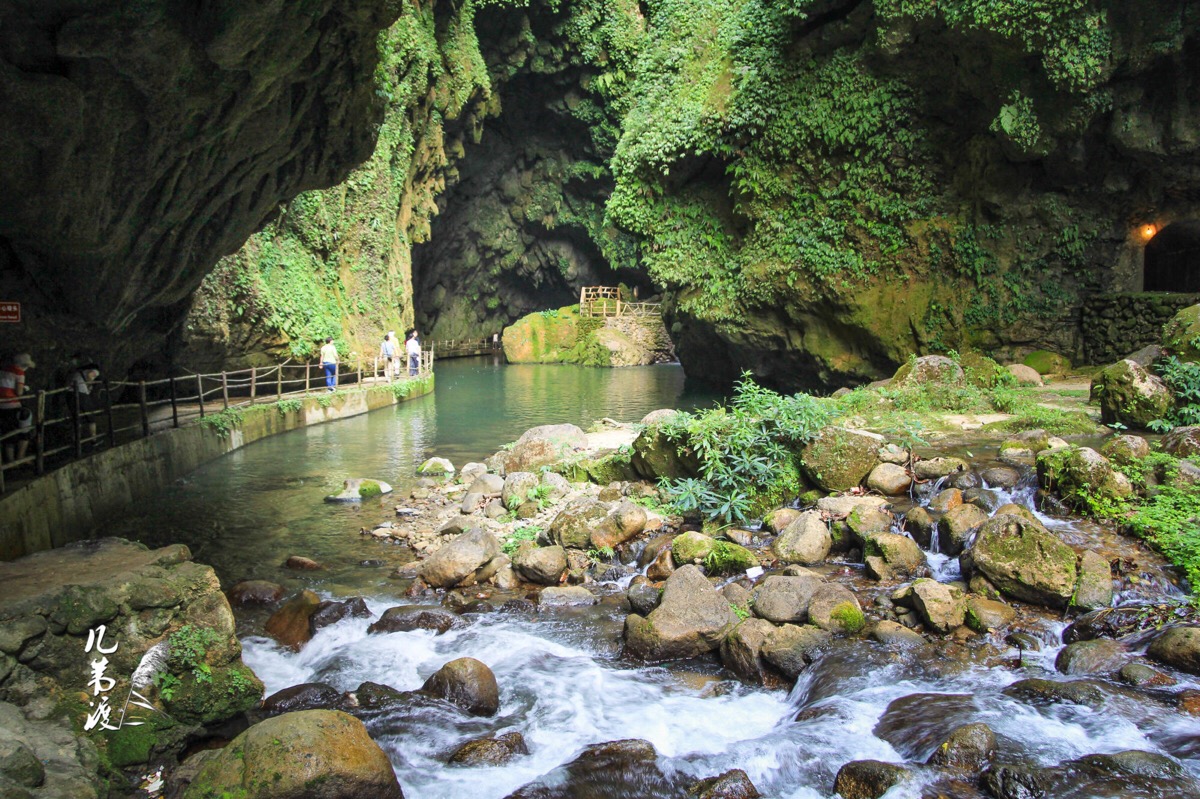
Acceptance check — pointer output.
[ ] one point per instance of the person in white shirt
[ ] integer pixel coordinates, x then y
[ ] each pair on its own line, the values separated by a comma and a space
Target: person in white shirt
413, 347
329, 362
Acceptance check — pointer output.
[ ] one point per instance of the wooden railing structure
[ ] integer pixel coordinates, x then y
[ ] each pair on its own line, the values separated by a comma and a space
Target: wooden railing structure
462, 348
65, 423
606, 301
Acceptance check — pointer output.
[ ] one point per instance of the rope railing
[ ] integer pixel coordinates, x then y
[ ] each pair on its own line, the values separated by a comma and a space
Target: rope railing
66, 423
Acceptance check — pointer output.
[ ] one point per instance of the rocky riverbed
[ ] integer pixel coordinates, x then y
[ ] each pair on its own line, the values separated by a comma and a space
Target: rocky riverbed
928, 623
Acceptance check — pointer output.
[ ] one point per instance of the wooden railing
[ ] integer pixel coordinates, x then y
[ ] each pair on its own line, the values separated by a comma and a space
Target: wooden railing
66, 424
606, 301
456, 348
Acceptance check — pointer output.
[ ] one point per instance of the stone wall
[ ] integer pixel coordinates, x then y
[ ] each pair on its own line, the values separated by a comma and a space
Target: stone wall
1114, 325
70, 503
648, 333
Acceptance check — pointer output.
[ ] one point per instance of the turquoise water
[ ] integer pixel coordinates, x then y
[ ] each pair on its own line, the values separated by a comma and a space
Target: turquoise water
248, 511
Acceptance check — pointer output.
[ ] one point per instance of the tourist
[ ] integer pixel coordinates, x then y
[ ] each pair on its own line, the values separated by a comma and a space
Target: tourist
413, 347
387, 352
80, 381
12, 418
329, 362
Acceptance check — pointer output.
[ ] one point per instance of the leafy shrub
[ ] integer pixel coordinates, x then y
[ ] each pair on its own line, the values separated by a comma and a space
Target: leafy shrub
517, 537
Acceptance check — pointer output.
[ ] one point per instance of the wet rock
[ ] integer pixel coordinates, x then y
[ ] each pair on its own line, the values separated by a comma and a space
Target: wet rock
737, 596
806, 540
933, 468
298, 563
957, 527
965, 481
784, 600
895, 636
375, 696
983, 586
1025, 561
1091, 657
917, 723
519, 607
945, 501
625, 521
290, 624
405, 618
643, 598
1125, 449
254, 592
968, 748
1077, 472
1178, 647
741, 651
942, 607
869, 779
614, 769
865, 521
841, 506
891, 555
1095, 587
1016, 782
691, 619
542, 446
838, 459
984, 615
1132, 395
459, 558
791, 648
572, 527
1126, 620
834, 608
357, 489
662, 566
306, 696
1182, 442
919, 524
777, 520
1089, 693
566, 596
889, 478
316, 754
490, 751
540, 565
691, 547
468, 684
328, 613
733, 784
19, 764
1004, 477
1139, 675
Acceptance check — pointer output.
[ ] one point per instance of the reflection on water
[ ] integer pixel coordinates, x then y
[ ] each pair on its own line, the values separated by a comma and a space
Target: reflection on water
246, 512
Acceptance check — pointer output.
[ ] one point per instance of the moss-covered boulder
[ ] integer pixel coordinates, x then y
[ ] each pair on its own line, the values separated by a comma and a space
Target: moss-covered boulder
1181, 335
314, 754
572, 527
1131, 395
1045, 362
656, 454
839, 459
1125, 449
929, 369
1081, 476
691, 547
1025, 560
359, 488
543, 337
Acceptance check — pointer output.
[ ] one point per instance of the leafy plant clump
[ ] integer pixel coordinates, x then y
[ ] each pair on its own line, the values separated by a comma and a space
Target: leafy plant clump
517, 537
1169, 519
1183, 378
224, 422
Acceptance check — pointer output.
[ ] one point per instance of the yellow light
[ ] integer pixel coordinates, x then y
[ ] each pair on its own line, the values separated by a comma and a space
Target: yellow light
1148, 231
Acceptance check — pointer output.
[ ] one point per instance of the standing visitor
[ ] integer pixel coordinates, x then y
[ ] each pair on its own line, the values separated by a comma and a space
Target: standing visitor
387, 351
329, 362
80, 381
12, 386
413, 347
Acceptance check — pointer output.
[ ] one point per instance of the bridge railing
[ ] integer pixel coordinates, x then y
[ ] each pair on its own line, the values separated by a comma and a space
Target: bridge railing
65, 424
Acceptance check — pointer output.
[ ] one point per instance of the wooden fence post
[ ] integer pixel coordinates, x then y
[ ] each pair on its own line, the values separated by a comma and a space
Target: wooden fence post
225, 390
145, 410
200, 393
108, 415
279, 383
253, 383
307, 378
76, 425
174, 405
39, 420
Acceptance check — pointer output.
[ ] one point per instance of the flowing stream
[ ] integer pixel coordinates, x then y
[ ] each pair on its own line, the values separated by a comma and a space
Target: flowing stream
562, 683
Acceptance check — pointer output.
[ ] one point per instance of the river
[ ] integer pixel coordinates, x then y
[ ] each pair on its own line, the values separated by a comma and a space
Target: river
562, 683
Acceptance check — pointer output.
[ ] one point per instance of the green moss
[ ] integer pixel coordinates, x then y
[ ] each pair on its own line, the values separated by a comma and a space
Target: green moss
369, 488
1181, 336
1045, 362
691, 547
849, 616
228, 691
728, 558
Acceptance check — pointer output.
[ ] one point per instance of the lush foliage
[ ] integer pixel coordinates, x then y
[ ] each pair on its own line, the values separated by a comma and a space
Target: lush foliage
1168, 517
518, 536
1183, 377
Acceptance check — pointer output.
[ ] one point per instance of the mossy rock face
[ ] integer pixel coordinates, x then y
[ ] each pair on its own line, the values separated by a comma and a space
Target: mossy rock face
543, 337
158, 734
982, 371
839, 459
1045, 362
1181, 336
691, 546
1025, 561
935, 369
655, 455
727, 558
1131, 395
1078, 474
226, 692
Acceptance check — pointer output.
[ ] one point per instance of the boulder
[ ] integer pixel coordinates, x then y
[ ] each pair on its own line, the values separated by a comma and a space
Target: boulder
643, 597
328, 613
791, 649
254, 592
1178, 647
1084, 658
1080, 475
1132, 395
659, 416
468, 684
315, 754
1095, 587
933, 468
895, 636
957, 526
490, 750
870, 779
968, 748
942, 607
741, 651
946, 501
842, 506
1182, 442
806, 540
777, 520
359, 488
691, 547
1025, 375
733, 784
919, 523
517, 487
306, 696
1125, 449
937, 370
566, 596
891, 555
302, 564
542, 446
472, 471
625, 521
290, 624
889, 478
541, 565
839, 459
459, 558
834, 608
784, 600
1045, 362
691, 619
1181, 335
405, 618
984, 615
572, 527
662, 566
1000, 477
865, 521
1025, 561
655, 456
555, 486
436, 466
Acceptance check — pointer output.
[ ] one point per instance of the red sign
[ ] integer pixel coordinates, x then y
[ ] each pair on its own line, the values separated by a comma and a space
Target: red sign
10, 311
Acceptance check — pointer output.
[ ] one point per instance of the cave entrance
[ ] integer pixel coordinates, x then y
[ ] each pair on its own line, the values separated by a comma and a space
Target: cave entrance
1171, 261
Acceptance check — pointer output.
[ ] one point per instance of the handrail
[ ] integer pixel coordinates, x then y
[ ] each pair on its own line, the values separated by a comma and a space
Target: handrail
66, 422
